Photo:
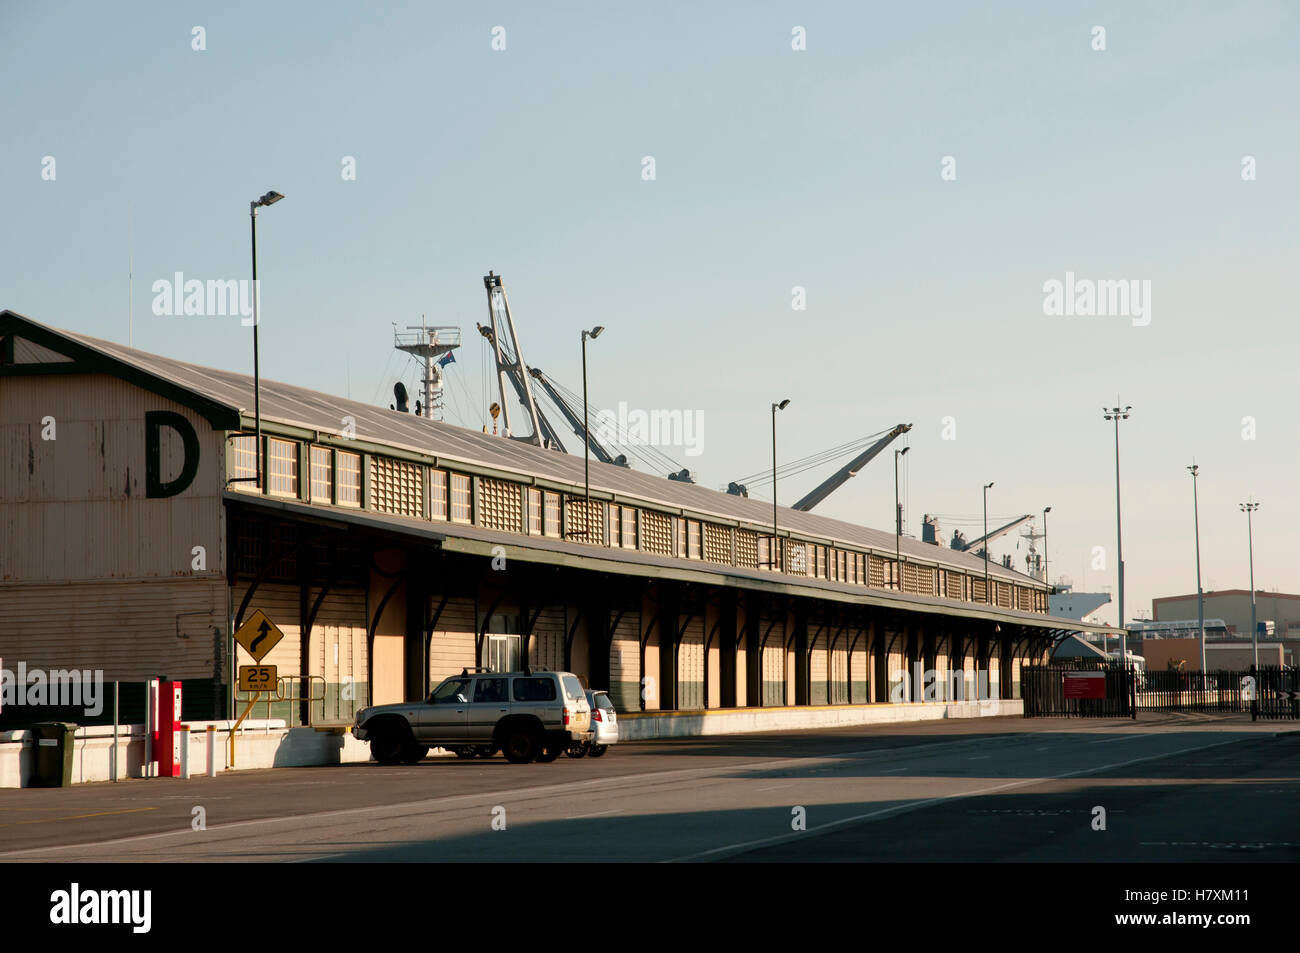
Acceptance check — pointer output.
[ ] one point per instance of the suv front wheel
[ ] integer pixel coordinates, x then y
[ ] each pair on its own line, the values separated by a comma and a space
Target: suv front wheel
388, 744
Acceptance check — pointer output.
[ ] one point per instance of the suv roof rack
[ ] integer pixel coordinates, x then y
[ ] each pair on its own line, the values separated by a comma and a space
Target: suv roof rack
464, 672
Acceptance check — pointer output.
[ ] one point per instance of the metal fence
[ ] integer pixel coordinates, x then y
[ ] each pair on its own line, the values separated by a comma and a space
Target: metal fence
1266, 692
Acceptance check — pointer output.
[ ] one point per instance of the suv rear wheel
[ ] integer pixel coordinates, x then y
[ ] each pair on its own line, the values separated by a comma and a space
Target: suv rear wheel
520, 745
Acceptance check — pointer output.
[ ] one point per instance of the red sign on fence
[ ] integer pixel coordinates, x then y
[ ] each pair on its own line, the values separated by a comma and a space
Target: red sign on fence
1085, 684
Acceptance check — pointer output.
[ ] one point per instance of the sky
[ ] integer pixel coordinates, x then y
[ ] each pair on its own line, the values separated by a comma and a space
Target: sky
921, 172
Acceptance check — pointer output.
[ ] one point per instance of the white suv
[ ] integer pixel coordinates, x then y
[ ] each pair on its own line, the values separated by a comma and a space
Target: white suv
528, 715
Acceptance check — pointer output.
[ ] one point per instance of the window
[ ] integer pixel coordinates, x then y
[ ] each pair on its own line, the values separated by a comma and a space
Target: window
692, 539
243, 457
679, 537
534, 690
842, 565
438, 494
628, 535
615, 525
488, 690
573, 688
501, 652
460, 501
535, 511
322, 474
349, 478
447, 692
862, 568
551, 514
282, 467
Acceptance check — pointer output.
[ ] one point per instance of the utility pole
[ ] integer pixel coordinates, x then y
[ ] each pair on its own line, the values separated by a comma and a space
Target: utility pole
988, 595
773, 559
1249, 509
1117, 414
898, 521
1200, 595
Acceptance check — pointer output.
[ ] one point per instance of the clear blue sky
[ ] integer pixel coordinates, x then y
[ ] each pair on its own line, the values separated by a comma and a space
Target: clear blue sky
775, 168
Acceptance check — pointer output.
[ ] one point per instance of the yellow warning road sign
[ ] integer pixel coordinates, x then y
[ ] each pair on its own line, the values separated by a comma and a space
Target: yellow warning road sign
258, 635
257, 678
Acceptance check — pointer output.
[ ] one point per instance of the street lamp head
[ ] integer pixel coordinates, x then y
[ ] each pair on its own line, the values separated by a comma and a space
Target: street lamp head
903, 452
594, 332
988, 486
1194, 469
783, 405
270, 198
1047, 509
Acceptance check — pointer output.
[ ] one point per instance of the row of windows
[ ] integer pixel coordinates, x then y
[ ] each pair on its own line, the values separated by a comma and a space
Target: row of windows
399, 487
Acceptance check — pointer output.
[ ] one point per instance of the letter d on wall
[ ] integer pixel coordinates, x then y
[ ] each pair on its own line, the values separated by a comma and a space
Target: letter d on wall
154, 421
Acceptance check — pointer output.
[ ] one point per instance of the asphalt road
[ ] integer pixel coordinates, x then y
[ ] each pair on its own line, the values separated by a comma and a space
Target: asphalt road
1173, 787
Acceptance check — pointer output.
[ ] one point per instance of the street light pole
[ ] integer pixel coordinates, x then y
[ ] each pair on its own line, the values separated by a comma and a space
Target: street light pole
270, 198
1249, 509
1117, 414
988, 595
1200, 596
898, 521
772, 557
586, 437
1046, 510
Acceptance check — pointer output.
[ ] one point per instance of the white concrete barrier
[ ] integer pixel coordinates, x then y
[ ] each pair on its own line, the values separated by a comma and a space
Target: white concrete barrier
258, 744
640, 726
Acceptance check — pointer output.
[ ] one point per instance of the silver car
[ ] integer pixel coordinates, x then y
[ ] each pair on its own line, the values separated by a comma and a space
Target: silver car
604, 727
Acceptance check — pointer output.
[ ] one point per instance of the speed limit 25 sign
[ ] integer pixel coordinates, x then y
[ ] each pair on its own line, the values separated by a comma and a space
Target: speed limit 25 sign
257, 678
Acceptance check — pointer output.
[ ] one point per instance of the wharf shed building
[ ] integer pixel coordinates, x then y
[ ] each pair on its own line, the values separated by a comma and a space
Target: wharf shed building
393, 551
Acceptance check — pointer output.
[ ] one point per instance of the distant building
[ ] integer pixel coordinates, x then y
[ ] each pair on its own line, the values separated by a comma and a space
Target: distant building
1279, 610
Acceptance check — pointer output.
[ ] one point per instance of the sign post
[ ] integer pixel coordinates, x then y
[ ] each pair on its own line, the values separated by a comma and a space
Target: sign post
257, 636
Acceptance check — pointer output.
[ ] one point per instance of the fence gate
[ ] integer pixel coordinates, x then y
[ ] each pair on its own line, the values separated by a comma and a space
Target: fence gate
1078, 689
1277, 693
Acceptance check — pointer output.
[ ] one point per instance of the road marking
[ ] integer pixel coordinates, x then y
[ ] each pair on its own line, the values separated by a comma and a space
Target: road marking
772, 787
77, 817
979, 757
916, 806
578, 817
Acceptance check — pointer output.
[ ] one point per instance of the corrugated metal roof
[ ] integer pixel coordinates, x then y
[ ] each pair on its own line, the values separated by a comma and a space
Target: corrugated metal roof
312, 410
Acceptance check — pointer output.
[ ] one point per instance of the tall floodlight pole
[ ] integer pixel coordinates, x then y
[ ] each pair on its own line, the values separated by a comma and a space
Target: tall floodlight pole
1117, 414
898, 521
1248, 509
1046, 510
1200, 596
773, 557
270, 198
586, 437
988, 595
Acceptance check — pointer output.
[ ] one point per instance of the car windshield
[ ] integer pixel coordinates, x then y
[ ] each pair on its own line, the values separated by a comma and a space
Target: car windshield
601, 700
448, 690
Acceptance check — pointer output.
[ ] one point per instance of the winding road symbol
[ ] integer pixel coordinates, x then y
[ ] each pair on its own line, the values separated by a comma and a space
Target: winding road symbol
258, 635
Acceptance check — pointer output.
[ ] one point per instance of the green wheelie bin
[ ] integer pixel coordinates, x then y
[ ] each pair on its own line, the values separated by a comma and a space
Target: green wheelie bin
53, 754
